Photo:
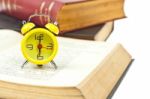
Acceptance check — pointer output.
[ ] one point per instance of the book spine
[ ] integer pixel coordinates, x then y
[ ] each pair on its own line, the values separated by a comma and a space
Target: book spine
23, 9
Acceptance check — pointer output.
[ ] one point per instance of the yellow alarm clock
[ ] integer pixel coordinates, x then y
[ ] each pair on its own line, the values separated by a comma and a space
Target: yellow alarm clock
39, 45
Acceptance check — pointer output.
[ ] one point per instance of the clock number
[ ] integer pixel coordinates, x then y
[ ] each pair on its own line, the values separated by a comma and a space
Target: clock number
40, 57
39, 37
29, 46
50, 46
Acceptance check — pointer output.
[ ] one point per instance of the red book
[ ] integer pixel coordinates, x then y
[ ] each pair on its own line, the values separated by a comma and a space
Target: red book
70, 14
22, 9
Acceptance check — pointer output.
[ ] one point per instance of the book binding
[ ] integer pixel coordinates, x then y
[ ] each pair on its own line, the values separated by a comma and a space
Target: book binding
23, 9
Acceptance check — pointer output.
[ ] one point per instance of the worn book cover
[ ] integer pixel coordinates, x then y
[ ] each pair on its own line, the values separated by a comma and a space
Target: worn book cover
99, 32
70, 14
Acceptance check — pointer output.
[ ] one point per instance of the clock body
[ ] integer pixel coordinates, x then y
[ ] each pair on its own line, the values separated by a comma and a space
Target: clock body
39, 46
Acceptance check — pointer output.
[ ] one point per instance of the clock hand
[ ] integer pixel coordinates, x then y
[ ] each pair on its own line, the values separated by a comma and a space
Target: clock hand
39, 40
47, 48
39, 47
39, 52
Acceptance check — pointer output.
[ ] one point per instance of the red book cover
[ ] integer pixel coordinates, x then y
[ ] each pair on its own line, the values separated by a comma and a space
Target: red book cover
23, 9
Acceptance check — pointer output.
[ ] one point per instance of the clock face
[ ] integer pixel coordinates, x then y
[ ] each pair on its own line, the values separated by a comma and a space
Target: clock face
39, 46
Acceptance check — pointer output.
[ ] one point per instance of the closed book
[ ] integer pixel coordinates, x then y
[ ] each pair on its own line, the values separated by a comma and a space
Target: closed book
98, 32
70, 14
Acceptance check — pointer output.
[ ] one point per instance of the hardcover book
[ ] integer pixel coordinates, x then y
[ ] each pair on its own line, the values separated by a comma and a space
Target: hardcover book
70, 14
99, 32
86, 70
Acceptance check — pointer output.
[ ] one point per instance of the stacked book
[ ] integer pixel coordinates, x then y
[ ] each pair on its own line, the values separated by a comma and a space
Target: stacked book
88, 67
76, 18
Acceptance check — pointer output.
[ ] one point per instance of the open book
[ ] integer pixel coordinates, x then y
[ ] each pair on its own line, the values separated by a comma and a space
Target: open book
86, 70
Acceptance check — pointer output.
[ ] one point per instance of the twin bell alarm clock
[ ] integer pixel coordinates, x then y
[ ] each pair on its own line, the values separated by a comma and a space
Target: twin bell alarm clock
39, 45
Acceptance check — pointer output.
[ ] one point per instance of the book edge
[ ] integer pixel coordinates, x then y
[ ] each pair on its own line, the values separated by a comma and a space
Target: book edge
105, 32
121, 15
103, 92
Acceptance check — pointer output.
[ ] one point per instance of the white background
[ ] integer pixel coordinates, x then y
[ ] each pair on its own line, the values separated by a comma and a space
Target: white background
134, 33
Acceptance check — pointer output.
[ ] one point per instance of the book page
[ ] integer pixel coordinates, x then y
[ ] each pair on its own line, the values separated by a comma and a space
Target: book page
8, 38
75, 60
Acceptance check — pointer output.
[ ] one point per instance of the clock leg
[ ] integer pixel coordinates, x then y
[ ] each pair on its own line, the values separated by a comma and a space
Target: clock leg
24, 63
54, 64
40, 66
